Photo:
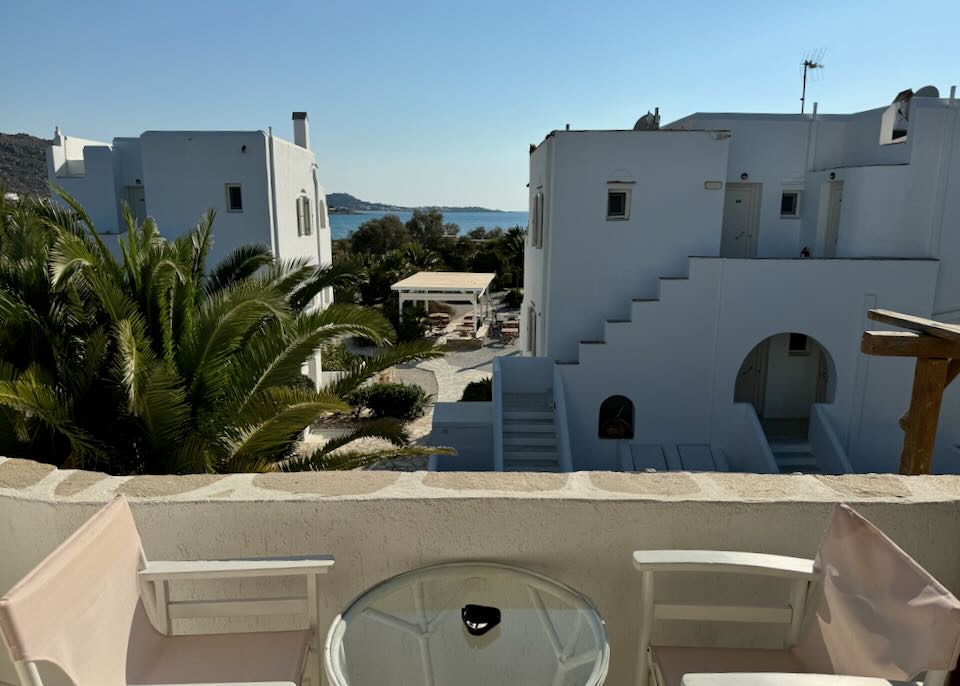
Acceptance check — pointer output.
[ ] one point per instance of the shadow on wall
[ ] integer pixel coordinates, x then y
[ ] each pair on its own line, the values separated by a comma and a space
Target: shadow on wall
784, 375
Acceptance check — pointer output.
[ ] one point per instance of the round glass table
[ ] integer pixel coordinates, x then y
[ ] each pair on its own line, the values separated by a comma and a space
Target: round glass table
470, 624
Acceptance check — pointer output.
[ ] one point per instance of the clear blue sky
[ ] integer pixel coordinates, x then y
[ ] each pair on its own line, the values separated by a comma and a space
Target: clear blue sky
421, 102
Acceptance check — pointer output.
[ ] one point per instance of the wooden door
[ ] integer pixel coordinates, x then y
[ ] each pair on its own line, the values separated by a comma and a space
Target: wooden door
834, 207
137, 200
741, 213
751, 380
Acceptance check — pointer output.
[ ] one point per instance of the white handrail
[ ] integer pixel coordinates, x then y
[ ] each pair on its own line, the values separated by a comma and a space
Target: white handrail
560, 421
497, 415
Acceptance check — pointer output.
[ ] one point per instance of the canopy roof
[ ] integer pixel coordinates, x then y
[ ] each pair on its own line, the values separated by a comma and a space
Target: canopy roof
445, 282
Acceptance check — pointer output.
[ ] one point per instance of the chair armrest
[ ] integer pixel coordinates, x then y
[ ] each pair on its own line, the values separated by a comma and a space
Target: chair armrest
170, 570
724, 561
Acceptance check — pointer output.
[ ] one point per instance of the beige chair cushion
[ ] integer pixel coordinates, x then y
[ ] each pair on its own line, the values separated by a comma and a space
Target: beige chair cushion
76, 607
673, 662
240, 657
878, 612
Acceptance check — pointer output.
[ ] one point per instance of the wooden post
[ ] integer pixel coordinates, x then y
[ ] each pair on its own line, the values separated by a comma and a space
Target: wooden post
920, 430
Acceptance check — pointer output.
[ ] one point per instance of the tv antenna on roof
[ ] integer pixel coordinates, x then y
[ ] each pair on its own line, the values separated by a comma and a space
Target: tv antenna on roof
812, 62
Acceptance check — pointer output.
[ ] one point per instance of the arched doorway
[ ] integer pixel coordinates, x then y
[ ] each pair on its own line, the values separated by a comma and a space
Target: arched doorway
784, 375
615, 418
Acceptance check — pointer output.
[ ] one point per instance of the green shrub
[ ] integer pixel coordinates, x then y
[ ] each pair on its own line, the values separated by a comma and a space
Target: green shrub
336, 358
478, 391
399, 401
513, 299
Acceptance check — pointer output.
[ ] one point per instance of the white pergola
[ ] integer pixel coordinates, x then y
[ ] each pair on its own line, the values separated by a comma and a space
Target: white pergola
445, 286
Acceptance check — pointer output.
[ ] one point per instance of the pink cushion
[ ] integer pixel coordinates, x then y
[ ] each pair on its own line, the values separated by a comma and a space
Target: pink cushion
675, 662
241, 657
878, 612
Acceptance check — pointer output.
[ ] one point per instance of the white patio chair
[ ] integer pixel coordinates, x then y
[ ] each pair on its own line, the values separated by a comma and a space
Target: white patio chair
87, 609
877, 613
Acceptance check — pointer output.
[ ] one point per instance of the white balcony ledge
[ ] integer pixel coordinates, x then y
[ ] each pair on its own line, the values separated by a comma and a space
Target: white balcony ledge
580, 528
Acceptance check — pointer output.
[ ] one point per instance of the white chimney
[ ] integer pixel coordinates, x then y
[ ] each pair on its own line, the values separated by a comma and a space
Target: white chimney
301, 130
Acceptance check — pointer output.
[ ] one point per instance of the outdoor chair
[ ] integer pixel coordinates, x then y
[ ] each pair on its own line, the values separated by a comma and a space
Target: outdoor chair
876, 612
91, 607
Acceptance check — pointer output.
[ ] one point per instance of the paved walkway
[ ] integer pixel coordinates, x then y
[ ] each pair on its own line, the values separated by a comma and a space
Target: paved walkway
452, 373
444, 378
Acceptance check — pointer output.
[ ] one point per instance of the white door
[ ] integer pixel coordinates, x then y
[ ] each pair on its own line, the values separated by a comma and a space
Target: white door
752, 379
532, 329
833, 219
137, 200
740, 220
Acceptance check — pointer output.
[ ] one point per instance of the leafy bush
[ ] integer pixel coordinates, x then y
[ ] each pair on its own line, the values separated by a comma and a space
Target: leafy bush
513, 299
478, 391
336, 357
396, 400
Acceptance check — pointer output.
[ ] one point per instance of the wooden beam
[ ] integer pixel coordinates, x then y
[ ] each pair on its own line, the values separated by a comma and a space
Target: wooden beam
920, 430
950, 332
908, 344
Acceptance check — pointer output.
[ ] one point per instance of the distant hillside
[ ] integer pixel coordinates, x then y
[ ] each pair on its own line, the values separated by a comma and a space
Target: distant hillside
23, 164
344, 203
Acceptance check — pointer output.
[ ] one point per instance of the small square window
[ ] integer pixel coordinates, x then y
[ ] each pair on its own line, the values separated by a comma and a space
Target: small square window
618, 204
234, 198
799, 344
790, 204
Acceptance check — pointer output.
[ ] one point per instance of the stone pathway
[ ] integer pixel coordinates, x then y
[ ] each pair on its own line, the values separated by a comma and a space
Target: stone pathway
444, 378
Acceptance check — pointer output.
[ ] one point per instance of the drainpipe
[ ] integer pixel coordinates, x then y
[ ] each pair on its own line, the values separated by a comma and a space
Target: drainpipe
943, 176
272, 173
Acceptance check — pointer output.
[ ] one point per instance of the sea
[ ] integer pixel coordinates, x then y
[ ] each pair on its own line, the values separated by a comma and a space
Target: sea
342, 225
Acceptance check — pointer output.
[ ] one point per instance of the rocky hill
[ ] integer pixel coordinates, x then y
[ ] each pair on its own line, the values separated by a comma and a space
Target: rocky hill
344, 203
23, 164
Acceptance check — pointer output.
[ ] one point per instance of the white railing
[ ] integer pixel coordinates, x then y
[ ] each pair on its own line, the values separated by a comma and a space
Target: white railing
824, 443
560, 421
526, 374
747, 449
497, 383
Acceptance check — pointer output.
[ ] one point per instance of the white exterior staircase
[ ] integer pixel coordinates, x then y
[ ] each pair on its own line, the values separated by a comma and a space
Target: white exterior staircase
529, 435
793, 457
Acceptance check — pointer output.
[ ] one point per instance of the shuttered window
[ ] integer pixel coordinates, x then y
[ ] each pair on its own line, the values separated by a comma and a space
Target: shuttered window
536, 221
304, 219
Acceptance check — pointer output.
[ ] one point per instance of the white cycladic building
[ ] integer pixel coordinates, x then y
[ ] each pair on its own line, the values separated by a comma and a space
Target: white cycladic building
695, 295
264, 189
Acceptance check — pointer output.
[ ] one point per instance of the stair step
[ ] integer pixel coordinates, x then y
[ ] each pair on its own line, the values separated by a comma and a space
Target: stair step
524, 415
646, 300
796, 462
526, 440
593, 342
573, 362
785, 448
543, 426
531, 458
552, 467
619, 321
529, 449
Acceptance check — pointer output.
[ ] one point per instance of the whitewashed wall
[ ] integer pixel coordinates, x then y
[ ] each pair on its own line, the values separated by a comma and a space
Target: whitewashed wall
95, 188
679, 357
185, 174
293, 166
598, 266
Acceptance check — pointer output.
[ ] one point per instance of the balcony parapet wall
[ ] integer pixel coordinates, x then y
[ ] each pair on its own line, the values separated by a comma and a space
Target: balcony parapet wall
579, 528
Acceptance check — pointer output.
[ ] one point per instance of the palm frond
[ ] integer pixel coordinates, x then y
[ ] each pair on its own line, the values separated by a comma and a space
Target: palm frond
241, 264
362, 368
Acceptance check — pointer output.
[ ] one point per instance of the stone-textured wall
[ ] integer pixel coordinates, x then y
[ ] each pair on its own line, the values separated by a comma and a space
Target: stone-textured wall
579, 528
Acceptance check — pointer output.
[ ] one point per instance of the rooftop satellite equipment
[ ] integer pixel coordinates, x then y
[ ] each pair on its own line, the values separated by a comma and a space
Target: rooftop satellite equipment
811, 63
927, 92
648, 122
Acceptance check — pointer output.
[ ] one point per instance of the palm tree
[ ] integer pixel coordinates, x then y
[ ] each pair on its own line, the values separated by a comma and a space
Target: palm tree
152, 363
